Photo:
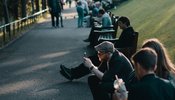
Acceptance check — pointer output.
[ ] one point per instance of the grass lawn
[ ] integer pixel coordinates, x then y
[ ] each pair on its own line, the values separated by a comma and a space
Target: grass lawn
152, 19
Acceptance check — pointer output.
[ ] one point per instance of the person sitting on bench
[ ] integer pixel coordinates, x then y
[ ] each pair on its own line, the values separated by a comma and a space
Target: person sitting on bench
81, 70
126, 36
105, 22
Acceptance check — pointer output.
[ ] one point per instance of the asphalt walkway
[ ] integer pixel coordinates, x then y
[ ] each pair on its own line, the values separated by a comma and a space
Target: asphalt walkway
29, 67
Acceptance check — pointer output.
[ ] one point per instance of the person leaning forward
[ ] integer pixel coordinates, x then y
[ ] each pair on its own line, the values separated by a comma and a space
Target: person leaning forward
101, 83
80, 71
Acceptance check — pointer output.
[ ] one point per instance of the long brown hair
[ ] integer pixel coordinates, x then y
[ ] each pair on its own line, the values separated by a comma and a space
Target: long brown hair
164, 64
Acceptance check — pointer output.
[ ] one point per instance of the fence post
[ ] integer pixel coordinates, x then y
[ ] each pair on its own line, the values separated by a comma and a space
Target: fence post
4, 31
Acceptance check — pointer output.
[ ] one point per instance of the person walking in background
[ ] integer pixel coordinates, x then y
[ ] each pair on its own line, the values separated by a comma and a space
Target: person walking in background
62, 4
60, 17
69, 2
80, 12
54, 11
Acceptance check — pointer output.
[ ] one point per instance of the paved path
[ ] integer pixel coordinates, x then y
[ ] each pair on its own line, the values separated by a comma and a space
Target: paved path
29, 67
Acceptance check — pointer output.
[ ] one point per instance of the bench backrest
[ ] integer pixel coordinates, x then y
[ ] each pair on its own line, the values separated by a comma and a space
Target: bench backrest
115, 24
134, 44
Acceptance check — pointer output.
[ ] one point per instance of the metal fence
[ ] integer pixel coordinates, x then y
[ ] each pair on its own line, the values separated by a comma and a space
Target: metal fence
13, 30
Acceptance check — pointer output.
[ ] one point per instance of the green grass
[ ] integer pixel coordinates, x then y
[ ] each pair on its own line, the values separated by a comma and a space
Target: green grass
152, 19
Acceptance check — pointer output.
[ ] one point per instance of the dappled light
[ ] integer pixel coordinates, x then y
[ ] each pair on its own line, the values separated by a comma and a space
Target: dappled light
33, 50
47, 92
142, 26
34, 68
53, 55
17, 86
152, 19
43, 59
165, 20
70, 15
12, 62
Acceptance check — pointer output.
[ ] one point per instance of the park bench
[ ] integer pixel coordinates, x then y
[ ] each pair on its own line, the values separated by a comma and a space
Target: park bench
102, 32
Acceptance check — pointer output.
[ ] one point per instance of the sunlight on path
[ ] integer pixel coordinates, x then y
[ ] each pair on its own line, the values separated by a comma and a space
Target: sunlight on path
72, 14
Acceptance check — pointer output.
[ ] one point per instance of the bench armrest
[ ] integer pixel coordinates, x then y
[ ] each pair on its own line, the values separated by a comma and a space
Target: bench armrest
101, 28
104, 31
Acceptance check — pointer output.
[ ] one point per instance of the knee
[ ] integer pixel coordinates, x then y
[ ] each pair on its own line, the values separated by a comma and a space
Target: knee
92, 80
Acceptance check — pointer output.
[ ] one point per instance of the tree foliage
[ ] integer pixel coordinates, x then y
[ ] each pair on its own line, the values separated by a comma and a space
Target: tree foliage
20, 8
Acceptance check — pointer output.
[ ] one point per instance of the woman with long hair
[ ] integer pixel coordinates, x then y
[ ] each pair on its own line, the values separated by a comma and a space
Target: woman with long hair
165, 68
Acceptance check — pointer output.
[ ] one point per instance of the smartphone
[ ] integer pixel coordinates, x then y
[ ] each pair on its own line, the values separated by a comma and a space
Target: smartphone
85, 54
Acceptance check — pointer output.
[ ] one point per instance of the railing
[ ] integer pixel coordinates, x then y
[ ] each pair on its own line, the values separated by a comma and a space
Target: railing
11, 31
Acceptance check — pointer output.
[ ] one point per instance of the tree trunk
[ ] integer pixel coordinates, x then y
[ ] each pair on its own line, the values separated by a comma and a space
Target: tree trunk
16, 9
33, 9
23, 10
6, 17
43, 4
37, 5
5, 11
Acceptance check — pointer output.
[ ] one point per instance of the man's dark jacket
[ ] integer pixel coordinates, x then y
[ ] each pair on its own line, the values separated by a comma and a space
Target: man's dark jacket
126, 38
118, 65
150, 87
55, 6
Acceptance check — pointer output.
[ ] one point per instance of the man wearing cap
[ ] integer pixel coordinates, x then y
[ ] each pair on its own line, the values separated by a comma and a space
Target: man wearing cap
80, 71
101, 83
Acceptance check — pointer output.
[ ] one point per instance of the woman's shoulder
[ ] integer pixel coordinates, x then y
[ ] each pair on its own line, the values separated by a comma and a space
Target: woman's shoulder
172, 78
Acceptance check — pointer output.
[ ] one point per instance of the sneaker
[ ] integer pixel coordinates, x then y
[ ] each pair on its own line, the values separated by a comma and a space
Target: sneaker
86, 40
66, 72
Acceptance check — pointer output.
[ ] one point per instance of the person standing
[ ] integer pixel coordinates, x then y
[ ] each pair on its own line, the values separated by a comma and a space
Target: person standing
62, 4
69, 2
80, 12
55, 11
60, 17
